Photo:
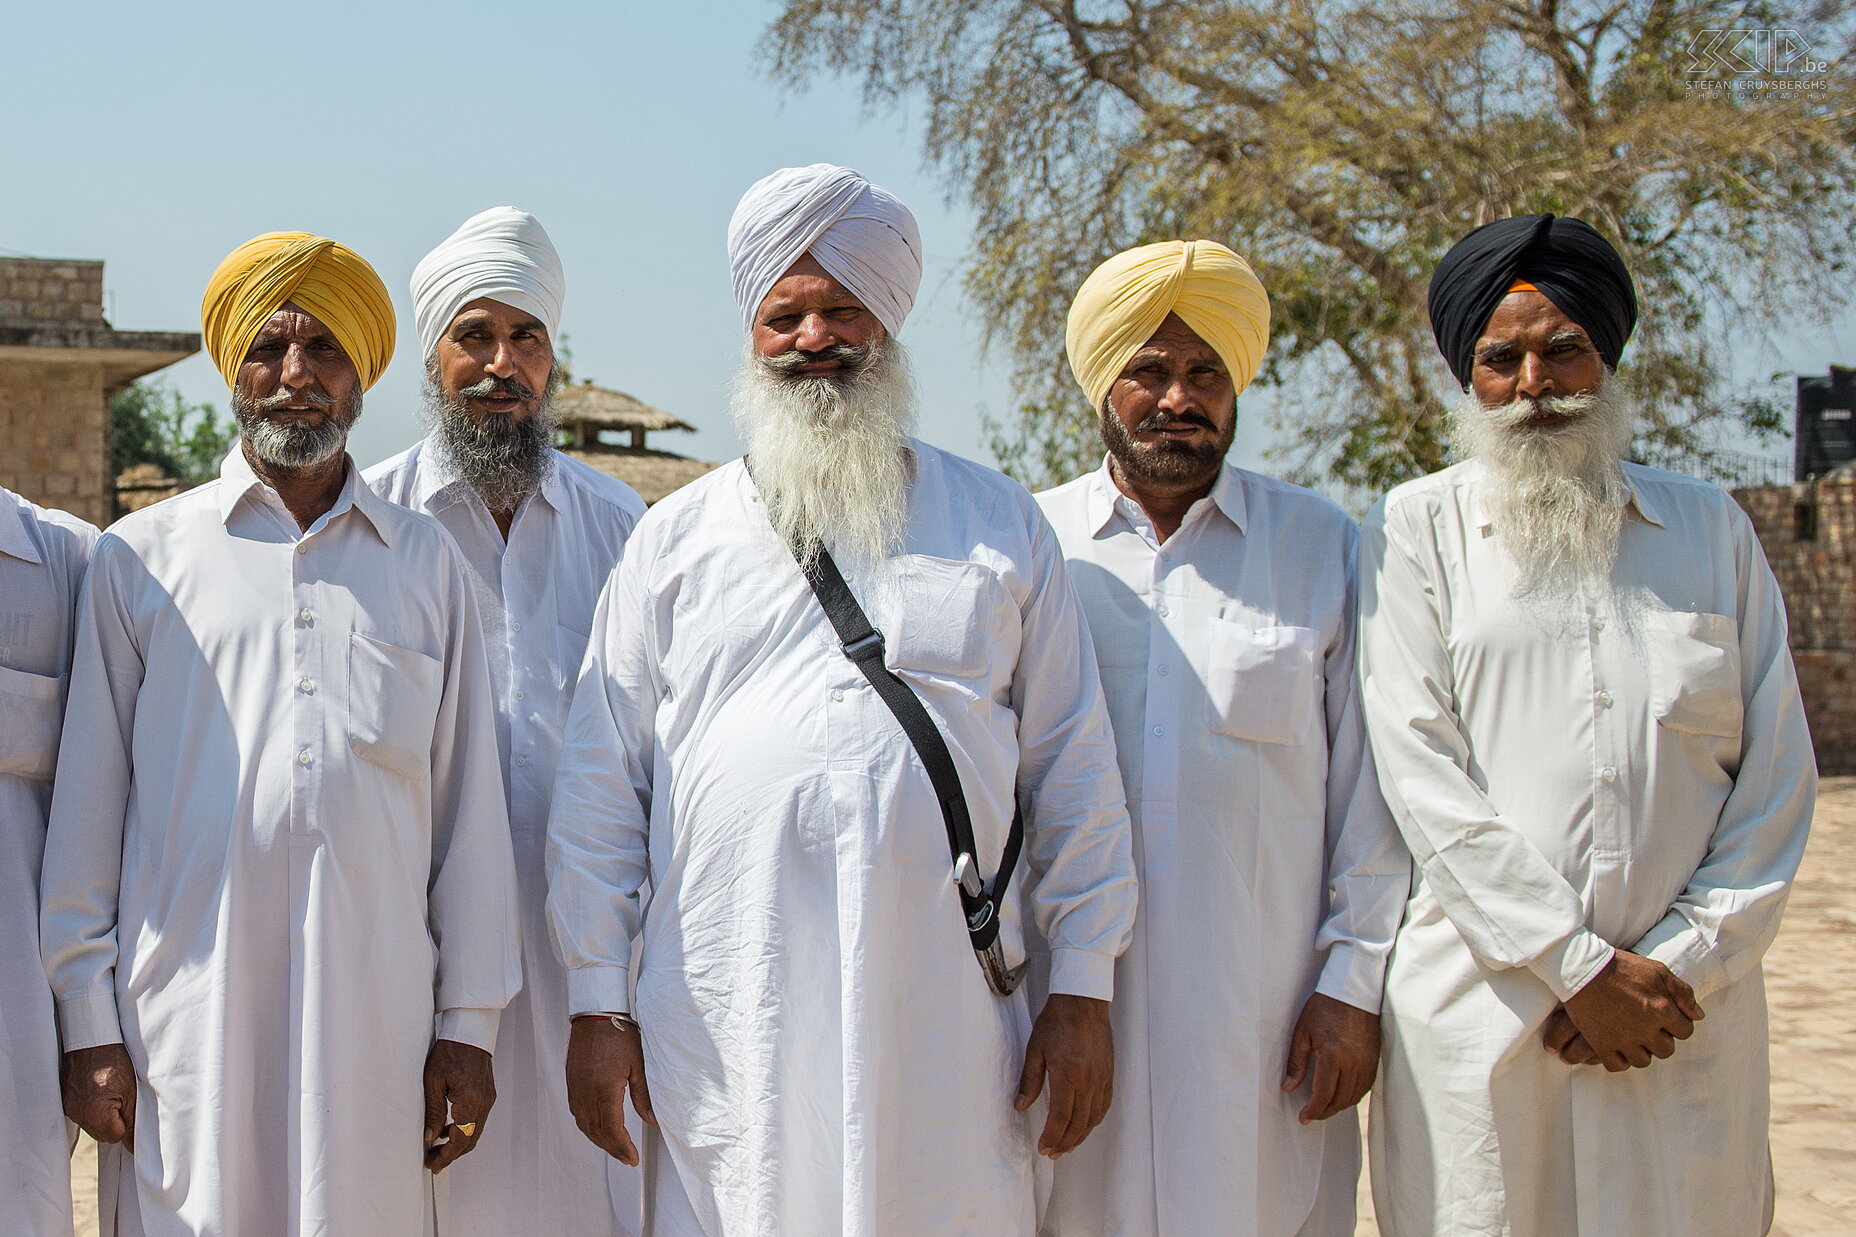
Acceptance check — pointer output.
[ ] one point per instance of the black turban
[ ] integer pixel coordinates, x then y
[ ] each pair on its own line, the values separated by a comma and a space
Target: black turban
1566, 259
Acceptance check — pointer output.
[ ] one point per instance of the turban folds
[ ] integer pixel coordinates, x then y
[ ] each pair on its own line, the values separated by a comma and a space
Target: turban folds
1123, 302
862, 235
329, 281
502, 254
1565, 260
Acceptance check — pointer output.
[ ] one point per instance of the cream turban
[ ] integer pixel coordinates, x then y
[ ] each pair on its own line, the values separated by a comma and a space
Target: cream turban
327, 280
503, 254
862, 235
1123, 302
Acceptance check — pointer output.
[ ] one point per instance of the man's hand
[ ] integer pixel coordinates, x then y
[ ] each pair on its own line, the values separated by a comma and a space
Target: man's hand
461, 1075
1342, 1044
99, 1093
1630, 1012
603, 1062
1561, 1038
1071, 1041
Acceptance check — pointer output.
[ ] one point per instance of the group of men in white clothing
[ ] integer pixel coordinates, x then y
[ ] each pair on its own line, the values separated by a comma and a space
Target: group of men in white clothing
910, 855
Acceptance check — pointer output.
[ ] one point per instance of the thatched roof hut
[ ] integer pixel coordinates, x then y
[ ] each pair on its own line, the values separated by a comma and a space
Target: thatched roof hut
589, 413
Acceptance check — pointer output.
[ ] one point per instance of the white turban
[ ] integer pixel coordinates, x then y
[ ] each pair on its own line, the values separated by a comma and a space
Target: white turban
502, 254
862, 235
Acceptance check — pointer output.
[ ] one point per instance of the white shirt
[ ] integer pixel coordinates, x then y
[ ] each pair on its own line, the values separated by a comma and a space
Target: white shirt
824, 1053
1269, 866
42, 559
280, 851
533, 1169
1629, 769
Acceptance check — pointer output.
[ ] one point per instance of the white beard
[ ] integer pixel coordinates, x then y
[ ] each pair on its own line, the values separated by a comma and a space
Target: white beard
829, 455
1554, 495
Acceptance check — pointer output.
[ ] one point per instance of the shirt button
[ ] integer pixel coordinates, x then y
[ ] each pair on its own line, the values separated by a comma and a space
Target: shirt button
1609, 773
303, 757
1604, 698
1598, 624
837, 693
515, 627
1164, 670
304, 615
521, 695
1161, 609
1159, 732
306, 686
520, 761
302, 547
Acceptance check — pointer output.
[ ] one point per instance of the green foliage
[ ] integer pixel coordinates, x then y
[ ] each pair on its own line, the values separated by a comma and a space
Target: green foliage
1342, 146
151, 424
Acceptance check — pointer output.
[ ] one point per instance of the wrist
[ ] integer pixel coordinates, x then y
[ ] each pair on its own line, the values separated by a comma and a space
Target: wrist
621, 1022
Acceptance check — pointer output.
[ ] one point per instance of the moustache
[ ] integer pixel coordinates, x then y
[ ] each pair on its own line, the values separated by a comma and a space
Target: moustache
1524, 408
854, 358
1166, 420
315, 399
512, 388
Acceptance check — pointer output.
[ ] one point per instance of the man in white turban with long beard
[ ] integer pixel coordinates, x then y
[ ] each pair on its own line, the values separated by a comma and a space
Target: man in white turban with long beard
1586, 723
1223, 609
540, 533
279, 908
826, 1052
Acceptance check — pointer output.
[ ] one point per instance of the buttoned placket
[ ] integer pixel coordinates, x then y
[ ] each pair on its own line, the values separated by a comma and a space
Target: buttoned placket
311, 665
1606, 649
527, 598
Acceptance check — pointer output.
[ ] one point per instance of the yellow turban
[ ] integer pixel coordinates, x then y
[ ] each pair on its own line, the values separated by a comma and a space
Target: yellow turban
327, 280
1123, 302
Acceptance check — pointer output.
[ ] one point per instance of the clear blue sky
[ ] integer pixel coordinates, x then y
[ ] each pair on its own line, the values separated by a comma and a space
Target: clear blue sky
158, 137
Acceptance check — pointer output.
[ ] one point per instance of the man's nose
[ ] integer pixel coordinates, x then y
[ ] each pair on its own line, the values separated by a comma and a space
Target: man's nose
1535, 378
502, 362
1175, 398
295, 373
814, 334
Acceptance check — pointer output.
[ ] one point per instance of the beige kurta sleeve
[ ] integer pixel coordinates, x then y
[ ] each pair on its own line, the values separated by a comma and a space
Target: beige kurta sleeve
472, 892
1509, 903
1728, 914
599, 824
81, 877
1368, 868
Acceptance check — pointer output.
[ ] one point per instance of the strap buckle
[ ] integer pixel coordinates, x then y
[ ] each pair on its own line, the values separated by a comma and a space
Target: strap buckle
861, 647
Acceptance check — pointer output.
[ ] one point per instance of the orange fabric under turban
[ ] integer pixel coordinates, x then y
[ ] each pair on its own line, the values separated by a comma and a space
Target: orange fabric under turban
327, 280
1123, 302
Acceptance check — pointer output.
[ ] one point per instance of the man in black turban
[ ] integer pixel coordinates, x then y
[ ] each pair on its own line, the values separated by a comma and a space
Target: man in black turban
1587, 727
1566, 261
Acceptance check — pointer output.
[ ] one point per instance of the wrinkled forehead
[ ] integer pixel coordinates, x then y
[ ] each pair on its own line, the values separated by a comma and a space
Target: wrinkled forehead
487, 312
1173, 340
293, 322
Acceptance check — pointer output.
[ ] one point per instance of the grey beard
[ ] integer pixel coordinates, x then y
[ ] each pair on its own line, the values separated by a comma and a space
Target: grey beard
503, 460
291, 444
1555, 495
829, 454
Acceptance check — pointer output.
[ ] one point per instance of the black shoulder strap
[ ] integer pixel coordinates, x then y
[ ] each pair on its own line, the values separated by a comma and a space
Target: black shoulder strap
863, 644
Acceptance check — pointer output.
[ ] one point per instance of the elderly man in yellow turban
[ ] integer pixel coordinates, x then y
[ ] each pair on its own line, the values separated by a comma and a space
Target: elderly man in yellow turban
279, 901
1222, 608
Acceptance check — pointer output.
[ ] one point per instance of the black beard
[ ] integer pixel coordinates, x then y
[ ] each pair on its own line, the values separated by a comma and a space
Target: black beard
1166, 464
504, 460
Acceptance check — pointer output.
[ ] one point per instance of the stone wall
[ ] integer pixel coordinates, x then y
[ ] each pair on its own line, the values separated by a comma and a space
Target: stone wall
60, 362
54, 424
41, 290
1809, 534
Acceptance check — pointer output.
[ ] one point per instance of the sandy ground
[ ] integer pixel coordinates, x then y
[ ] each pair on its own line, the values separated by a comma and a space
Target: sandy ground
1811, 986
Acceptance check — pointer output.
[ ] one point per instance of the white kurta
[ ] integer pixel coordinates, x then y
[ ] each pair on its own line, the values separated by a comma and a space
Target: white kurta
279, 854
824, 1053
1269, 866
1630, 771
533, 1171
42, 559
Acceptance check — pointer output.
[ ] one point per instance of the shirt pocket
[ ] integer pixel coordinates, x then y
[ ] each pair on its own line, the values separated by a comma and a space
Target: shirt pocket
1695, 673
33, 708
393, 696
948, 616
1260, 681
